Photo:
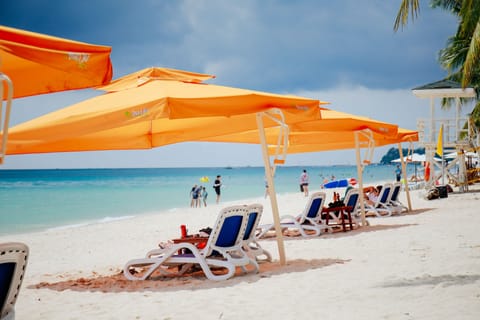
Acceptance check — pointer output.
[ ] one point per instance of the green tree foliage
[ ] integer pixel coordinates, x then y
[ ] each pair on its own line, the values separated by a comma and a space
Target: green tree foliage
393, 154
461, 56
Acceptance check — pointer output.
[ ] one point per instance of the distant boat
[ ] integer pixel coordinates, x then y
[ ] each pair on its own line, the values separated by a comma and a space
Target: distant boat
228, 168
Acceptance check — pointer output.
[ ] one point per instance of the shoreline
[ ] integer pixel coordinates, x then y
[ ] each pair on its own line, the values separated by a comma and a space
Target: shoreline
162, 212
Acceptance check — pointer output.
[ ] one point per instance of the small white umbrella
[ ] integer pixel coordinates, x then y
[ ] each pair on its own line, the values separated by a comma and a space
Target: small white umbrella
415, 158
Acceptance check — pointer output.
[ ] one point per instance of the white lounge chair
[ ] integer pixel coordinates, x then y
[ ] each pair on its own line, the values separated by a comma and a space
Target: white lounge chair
309, 220
396, 205
13, 261
223, 250
381, 207
250, 244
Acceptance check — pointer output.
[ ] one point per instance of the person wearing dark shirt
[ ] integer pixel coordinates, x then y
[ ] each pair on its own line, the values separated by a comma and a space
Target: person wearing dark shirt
217, 185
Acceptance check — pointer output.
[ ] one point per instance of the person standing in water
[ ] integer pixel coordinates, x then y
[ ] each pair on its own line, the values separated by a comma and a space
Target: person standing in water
204, 196
217, 185
398, 173
304, 183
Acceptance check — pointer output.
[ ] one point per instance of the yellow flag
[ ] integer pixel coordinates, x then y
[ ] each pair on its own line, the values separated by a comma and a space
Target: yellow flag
440, 141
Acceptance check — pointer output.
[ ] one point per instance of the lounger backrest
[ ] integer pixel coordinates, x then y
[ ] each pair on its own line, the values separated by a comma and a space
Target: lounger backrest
314, 205
229, 229
396, 191
351, 199
7, 270
384, 196
254, 214
13, 261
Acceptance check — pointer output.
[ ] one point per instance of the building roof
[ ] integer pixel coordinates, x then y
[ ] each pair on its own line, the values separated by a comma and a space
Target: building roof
443, 89
442, 84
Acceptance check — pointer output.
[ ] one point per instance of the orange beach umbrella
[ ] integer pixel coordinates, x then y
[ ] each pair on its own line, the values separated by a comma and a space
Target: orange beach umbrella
33, 63
38, 63
333, 131
152, 110
328, 141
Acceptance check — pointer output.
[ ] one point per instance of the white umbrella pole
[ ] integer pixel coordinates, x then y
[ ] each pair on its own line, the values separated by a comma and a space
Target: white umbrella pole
271, 190
443, 158
8, 104
405, 178
360, 178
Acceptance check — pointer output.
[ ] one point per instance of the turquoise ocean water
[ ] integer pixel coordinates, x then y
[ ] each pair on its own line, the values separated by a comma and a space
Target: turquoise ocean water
35, 200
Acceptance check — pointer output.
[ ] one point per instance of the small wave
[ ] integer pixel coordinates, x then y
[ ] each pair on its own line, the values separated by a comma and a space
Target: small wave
84, 224
112, 219
69, 226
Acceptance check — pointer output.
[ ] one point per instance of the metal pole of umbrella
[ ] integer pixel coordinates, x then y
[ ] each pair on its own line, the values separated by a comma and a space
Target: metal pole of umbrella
443, 158
360, 178
271, 189
404, 172
8, 105
416, 174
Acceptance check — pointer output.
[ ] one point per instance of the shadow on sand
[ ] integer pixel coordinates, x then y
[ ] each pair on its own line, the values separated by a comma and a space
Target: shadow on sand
192, 281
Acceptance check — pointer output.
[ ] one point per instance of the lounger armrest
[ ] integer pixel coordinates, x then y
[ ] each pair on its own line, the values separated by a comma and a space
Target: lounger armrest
173, 248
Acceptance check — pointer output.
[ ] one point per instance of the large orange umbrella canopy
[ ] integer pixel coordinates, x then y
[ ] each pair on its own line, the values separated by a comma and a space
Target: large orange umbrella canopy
38, 63
329, 141
334, 131
151, 108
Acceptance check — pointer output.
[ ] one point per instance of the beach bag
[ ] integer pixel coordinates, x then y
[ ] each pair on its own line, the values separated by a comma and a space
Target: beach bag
334, 204
206, 231
433, 194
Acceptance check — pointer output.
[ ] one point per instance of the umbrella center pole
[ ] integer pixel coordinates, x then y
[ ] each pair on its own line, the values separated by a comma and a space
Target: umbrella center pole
361, 165
404, 172
270, 171
6, 119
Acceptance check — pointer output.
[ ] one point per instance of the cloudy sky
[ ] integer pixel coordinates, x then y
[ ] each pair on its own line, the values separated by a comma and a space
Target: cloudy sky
343, 51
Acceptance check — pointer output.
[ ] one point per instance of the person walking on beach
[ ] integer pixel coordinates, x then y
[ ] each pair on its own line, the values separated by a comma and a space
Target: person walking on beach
304, 183
194, 196
217, 184
204, 196
398, 173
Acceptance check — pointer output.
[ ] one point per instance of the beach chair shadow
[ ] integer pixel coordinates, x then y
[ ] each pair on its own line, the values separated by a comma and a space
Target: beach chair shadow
13, 261
308, 224
223, 252
381, 207
250, 244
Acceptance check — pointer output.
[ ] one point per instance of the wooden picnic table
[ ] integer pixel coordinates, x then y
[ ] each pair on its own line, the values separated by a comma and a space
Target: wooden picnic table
342, 211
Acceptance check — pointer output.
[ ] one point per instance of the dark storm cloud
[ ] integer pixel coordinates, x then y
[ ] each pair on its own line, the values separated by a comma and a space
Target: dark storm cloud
267, 45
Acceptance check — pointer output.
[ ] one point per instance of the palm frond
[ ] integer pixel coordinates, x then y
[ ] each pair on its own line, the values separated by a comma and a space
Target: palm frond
454, 6
473, 57
406, 7
469, 15
453, 56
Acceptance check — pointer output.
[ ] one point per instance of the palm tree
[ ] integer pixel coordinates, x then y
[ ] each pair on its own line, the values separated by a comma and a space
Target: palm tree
461, 57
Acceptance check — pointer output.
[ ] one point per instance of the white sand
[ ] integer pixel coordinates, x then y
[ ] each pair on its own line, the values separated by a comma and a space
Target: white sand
424, 265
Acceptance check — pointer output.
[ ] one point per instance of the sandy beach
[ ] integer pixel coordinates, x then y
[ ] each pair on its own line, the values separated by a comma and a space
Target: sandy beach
421, 265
